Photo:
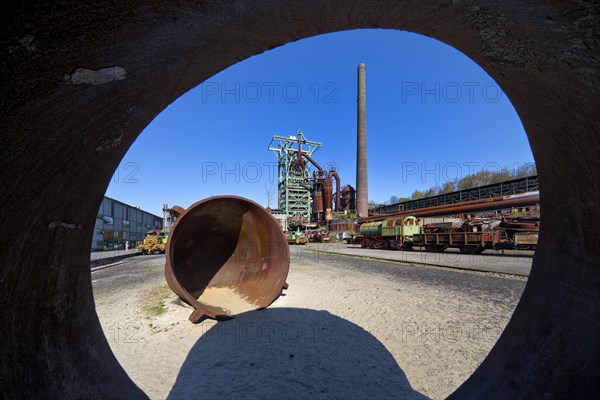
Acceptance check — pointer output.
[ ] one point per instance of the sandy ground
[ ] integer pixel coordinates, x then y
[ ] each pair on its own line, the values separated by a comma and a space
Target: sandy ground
346, 328
228, 299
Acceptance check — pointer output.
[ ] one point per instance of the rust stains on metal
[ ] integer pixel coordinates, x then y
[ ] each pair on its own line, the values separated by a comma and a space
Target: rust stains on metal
522, 200
228, 246
334, 174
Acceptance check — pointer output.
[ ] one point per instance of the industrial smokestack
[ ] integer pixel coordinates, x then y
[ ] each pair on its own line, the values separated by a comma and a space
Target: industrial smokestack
362, 191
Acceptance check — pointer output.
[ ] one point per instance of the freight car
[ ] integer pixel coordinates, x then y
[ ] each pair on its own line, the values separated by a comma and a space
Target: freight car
470, 237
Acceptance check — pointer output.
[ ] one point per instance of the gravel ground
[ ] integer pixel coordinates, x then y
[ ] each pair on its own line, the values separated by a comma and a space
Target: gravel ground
512, 262
347, 328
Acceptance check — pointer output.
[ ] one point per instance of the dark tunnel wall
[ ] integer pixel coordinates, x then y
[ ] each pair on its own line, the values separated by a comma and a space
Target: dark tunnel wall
81, 81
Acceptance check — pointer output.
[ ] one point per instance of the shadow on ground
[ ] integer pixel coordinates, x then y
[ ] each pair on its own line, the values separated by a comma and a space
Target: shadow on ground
295, 353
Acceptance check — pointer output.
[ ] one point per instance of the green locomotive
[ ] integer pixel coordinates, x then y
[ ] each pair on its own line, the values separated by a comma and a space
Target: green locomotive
394, 234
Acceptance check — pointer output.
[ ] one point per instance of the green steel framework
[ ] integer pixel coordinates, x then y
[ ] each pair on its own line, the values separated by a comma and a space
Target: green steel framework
294, 181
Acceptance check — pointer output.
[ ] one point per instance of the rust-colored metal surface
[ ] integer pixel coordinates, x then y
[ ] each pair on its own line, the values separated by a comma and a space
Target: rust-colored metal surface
520, 225
333, 174
313, 162
348, 199
464, 207
81, 81
327, 194
318, 201
226, 255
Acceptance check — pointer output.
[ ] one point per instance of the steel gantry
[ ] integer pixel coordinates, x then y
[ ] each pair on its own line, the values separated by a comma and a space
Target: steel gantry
294, 177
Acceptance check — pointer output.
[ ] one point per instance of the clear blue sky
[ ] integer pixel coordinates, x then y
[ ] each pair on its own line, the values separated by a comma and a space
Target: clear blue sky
432, 115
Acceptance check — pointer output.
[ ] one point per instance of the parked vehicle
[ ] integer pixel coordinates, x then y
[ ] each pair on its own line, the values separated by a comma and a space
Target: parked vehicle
473, 236
154, 242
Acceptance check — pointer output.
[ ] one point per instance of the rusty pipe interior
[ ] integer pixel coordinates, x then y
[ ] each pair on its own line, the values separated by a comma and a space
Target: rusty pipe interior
226, 255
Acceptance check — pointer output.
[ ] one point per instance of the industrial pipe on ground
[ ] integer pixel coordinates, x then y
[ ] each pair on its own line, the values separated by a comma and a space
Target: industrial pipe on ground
226, 255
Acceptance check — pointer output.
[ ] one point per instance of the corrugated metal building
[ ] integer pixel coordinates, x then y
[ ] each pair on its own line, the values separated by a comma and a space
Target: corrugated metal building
120, 226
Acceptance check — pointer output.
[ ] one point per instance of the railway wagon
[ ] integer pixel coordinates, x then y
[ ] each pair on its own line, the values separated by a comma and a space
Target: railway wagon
476, 242
470, 237
466, 242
